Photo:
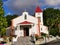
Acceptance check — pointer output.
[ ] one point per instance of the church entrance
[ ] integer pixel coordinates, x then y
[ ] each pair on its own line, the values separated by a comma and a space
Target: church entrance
26, 31
25, 26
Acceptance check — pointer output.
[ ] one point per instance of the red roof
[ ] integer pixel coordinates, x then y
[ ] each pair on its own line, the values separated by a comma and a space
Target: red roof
38, 9
26, 22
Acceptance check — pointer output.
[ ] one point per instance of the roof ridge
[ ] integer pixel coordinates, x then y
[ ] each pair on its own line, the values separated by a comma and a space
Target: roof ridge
38, 9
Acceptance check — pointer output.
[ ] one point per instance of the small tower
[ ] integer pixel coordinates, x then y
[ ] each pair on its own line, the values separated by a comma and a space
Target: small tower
39, 14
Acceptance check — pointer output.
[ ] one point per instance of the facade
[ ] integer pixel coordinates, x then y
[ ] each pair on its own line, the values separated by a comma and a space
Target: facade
26, 25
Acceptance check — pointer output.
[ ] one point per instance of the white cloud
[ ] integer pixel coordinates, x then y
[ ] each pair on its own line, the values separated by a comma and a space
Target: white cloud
24, 2
52, 2
17, 5
20, 3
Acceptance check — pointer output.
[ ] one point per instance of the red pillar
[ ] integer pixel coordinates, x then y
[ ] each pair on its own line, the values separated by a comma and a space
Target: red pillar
39, 26
12, 28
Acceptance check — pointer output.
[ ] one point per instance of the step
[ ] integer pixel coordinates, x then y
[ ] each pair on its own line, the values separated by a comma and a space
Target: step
24, 41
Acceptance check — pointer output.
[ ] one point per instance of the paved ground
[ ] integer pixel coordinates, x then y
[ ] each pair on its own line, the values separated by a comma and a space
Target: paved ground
55, 42
24, 41
27, 41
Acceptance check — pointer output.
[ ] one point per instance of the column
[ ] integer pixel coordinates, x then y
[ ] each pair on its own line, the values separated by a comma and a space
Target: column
18, 27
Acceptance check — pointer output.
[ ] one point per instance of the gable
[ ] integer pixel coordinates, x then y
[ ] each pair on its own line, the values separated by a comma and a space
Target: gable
26, 22
24, 17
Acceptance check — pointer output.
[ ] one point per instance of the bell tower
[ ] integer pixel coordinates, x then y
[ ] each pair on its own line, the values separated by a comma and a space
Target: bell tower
39, 14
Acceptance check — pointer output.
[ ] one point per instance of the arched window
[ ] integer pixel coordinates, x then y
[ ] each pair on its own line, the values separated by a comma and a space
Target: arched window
41, 29
25, 16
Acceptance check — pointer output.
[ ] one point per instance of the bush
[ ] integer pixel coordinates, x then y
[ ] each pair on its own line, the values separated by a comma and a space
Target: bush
43, 34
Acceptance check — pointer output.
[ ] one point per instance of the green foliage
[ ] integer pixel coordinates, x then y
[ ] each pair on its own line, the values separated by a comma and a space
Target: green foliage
3, 22
54, 32
1, 3
43, 34
52, 19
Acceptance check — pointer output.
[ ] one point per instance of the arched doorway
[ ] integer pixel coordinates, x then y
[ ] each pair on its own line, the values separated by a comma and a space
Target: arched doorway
26, 31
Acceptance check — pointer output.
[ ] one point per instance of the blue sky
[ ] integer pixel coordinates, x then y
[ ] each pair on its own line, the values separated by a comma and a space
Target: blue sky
18, 6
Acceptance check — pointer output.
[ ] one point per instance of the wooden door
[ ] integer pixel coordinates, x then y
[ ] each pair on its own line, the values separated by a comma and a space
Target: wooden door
24, 32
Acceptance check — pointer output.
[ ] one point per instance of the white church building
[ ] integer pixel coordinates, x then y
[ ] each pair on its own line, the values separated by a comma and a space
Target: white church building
26, 24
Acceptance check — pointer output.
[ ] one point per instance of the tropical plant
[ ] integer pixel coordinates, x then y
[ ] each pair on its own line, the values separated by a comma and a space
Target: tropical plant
3, 22
52, 20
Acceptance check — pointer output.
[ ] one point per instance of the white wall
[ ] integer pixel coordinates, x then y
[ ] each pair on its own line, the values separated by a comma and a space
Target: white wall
20, 19
19, 33
34, 30
40, 14
44, 29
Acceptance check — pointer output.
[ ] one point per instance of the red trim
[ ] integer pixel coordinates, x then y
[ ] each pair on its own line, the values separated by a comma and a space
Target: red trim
12, 25
38, 9
39, 26
12, 28
26, 22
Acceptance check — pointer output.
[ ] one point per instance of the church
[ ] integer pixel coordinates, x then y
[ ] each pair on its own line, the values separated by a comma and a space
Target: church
26, 24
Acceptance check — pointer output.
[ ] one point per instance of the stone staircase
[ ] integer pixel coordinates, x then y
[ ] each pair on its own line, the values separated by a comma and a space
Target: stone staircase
24, 41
